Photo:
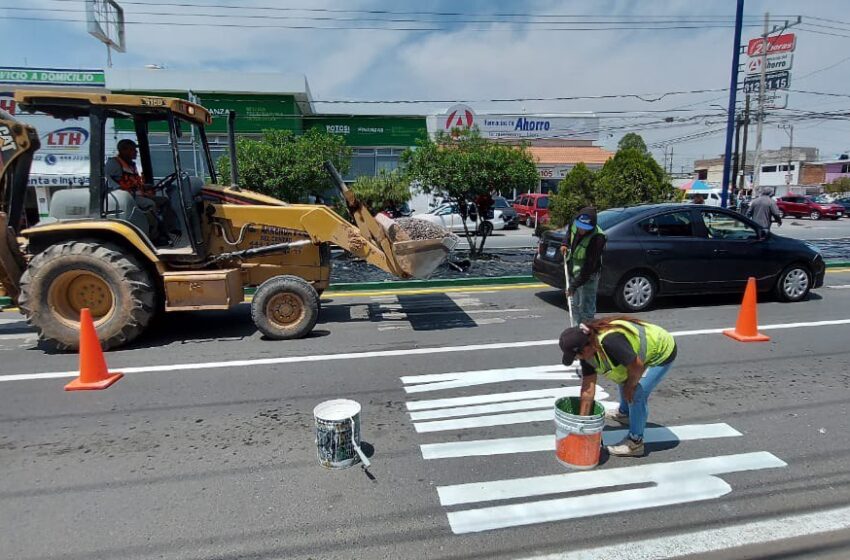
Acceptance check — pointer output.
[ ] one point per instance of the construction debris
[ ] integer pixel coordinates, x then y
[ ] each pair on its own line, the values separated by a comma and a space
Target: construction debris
420, 229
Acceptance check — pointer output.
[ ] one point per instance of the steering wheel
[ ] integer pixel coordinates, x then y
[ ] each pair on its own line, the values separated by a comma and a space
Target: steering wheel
166, 181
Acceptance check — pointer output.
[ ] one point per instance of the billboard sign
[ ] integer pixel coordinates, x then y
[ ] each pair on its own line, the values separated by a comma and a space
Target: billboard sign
775, 44
519, 127
13, 75
63, 159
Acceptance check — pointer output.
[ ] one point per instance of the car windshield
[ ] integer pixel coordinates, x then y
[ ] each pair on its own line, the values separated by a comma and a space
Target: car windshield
610, 218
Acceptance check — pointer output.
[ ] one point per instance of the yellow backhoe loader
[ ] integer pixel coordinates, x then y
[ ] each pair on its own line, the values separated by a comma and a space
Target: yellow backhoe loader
96, 249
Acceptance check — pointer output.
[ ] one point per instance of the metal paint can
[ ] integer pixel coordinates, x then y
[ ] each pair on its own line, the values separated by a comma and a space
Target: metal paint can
337, 433
578, 439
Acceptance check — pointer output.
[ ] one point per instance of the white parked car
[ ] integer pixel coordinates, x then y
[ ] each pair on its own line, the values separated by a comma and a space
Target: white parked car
447, 216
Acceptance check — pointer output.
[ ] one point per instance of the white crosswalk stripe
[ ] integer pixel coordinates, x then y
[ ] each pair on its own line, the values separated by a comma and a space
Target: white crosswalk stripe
473, 506
452, 310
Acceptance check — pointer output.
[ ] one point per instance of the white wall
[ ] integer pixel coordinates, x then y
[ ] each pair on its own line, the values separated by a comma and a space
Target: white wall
778, 177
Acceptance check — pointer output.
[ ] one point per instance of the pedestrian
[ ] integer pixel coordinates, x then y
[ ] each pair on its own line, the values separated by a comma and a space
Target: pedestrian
763, 210
582, 249
635, 355
699, 198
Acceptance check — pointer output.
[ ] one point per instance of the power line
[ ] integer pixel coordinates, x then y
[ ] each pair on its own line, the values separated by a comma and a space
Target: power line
242, 7
623, 27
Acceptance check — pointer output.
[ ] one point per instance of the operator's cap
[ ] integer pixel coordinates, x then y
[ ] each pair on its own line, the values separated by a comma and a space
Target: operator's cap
586, 219
571, 342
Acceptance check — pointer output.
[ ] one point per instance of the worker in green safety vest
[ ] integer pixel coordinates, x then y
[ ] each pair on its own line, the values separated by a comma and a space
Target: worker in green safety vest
582, 248
635, 355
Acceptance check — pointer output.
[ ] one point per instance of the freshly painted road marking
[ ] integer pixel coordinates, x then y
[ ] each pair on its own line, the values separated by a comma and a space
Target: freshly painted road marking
531, 444
672, 483
839, 287
712, 540
440, 381
253, 363
490, 398
19, 336
484, 421
487, 408
419, 291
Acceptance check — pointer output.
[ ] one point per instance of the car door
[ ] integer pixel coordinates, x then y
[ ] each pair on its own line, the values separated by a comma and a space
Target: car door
679, 259
738, 251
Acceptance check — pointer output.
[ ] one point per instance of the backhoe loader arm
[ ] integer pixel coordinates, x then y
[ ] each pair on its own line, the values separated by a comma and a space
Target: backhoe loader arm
17, 144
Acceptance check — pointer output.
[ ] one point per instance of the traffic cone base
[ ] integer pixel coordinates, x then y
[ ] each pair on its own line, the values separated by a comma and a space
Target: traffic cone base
77, 385
93, 373
758, 337
746, 329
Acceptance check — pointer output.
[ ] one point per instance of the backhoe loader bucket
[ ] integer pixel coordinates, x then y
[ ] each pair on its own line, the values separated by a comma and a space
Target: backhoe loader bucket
409, 258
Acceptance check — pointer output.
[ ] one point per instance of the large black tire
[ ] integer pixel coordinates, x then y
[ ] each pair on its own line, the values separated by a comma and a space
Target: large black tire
64, 278
794, 284
285, 307
636, 292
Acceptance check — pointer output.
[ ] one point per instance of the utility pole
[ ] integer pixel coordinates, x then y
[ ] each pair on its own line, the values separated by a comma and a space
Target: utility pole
733, 92
760, 110
671, 159
789, 129
742, 180
739, 121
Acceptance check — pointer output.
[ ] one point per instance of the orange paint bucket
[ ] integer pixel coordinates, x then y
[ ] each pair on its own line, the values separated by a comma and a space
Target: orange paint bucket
578, 439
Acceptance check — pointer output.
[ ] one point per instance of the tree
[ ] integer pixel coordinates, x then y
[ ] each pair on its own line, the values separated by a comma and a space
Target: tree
288, 166
575, 191
467, 169
632, 177
388, 188
839, 186
632, 140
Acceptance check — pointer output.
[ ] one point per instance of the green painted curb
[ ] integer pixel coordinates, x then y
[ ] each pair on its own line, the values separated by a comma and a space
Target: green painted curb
5, 301
439, 283
837, 264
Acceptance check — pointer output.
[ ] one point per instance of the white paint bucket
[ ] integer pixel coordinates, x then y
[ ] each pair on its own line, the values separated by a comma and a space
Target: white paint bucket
337, 433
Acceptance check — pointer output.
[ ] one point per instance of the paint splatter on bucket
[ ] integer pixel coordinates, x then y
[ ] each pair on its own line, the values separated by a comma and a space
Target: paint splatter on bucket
578, 439
337, 433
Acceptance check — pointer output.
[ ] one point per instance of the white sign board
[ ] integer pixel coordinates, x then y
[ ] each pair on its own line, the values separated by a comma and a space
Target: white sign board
63, 159
520, 127
775, 63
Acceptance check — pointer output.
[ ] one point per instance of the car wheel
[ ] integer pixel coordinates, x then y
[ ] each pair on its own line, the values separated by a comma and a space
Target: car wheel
485, 229
636, 292
814, 214
794, 283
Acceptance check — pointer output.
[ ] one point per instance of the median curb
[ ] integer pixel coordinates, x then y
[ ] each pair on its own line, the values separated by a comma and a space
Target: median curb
837, 264
5, 301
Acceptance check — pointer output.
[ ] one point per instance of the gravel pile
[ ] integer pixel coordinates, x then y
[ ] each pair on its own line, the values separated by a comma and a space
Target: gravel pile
420, 229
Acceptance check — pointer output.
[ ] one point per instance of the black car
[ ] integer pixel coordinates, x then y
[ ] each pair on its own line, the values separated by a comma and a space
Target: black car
508, 213
845, 202
677, 249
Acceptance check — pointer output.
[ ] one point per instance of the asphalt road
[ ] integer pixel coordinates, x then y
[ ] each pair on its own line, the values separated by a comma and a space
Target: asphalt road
205, 448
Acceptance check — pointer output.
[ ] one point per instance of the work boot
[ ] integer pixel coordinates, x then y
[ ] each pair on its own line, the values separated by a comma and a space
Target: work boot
627, 448
617, 416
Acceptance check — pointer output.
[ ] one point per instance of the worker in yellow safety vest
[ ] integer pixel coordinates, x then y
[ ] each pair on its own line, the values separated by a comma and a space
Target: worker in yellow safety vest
635, 355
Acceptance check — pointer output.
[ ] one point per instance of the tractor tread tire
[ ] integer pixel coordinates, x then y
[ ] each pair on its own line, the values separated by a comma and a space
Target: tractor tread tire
283, 284
133, 306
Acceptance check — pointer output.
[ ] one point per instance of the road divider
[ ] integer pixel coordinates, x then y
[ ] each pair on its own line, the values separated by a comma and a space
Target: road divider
407, 352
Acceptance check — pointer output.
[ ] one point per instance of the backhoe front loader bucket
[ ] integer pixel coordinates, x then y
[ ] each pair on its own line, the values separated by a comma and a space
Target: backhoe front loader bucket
408, 258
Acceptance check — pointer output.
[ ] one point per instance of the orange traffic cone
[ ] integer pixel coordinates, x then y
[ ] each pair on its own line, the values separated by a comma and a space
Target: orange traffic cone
747, 327
93, 372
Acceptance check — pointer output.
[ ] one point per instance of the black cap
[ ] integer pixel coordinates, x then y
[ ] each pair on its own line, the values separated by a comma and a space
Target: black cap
571, 342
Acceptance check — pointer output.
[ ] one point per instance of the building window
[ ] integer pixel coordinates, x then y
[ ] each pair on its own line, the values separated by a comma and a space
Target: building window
845, 167
768, 169
702, 174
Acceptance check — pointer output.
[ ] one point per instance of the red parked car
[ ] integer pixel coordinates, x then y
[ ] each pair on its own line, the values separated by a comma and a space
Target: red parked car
799, 206
532, 208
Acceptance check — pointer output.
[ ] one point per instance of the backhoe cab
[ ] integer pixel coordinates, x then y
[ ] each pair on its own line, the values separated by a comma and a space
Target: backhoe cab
95, 249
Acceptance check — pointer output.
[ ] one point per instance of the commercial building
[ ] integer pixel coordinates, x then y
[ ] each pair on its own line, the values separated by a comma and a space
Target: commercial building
277, 102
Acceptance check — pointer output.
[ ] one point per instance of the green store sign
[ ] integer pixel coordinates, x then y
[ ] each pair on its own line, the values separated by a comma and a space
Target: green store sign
367, 130
254, 113
52, 77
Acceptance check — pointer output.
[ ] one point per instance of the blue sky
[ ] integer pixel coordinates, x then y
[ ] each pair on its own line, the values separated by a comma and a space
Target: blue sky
479, 61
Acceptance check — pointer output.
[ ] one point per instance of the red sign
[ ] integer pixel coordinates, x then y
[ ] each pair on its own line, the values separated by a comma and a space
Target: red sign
777, 44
